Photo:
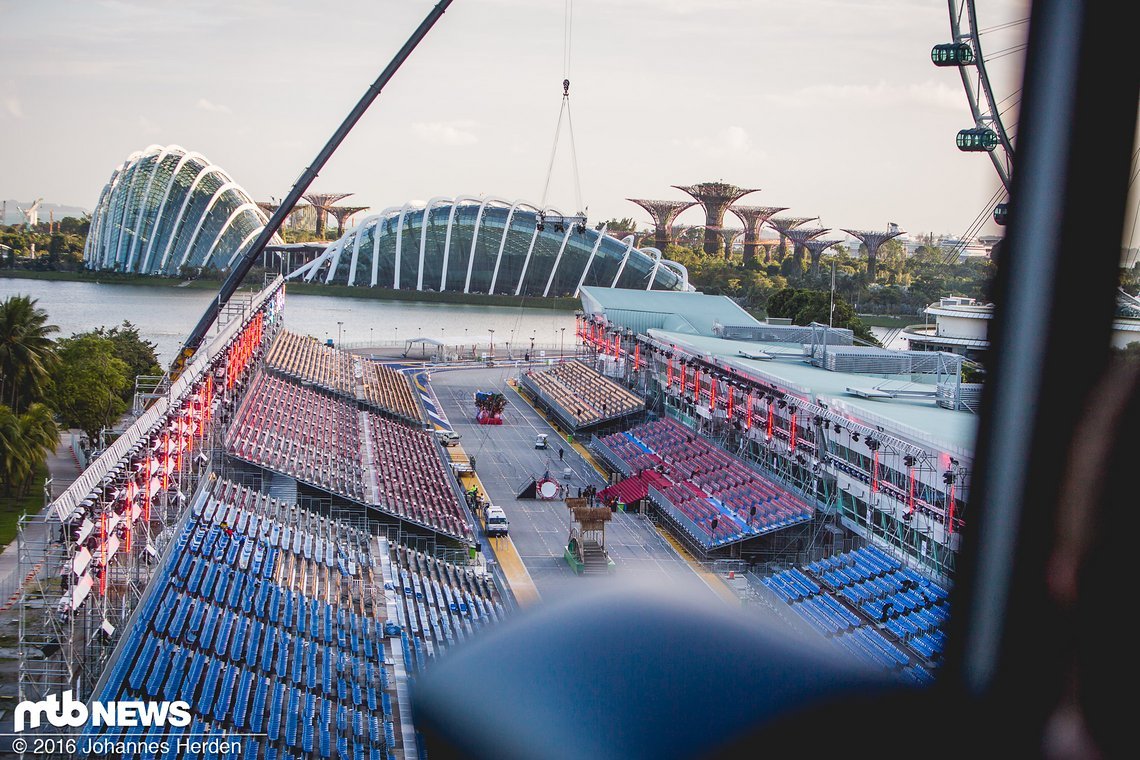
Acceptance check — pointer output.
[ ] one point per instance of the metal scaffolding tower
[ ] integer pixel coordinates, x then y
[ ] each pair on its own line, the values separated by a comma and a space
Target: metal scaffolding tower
663, 213
873, 240
323, 203
754, 218
784, 223
799, 237
715, 197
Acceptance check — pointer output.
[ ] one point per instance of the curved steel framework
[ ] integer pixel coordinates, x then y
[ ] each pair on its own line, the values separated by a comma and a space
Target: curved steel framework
166, 208
479, 244
979, 91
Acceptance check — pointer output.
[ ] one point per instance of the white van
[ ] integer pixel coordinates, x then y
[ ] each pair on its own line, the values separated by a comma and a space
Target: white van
496, 521
447, 437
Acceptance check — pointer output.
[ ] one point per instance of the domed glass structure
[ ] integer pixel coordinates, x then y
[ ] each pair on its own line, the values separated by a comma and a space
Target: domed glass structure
166, 210
487, 245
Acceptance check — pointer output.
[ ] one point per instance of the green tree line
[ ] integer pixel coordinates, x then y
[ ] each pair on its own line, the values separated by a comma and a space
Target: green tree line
84, 381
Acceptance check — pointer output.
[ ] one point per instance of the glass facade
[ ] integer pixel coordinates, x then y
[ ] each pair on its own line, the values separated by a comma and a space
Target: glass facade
475, 245
167, 210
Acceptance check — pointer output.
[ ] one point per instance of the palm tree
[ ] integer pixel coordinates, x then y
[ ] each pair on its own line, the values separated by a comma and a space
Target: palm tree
12, 455
25, 442
27, 354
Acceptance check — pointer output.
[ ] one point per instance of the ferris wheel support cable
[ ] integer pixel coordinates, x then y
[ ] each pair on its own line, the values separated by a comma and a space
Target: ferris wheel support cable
987, 90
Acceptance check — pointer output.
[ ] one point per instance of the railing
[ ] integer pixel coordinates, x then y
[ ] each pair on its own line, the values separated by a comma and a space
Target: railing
609, 457
563, 415
70, 499
683, 521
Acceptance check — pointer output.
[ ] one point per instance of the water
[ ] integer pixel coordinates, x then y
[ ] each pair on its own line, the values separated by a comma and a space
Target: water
166, 315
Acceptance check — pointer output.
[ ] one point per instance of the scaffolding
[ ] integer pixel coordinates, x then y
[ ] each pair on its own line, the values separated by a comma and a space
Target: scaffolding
85, 567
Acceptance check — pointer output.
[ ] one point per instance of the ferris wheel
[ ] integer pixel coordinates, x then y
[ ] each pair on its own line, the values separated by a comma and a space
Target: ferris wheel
988, 80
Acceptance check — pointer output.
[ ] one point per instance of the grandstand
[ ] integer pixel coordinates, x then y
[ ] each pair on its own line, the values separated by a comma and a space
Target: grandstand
882, 440
579, 396
440, 604
872, 606
326, 442
306, 627
714, 498
358, 379
276, 622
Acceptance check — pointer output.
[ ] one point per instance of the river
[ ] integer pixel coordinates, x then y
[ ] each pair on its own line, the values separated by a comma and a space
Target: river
166, 315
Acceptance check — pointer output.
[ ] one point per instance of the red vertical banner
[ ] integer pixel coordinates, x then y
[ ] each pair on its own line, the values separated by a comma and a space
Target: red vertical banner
103, 551
682, 379
669, 372
728, 407
146, 488
910, 490
792, 433
768, 431
712, 394
636, 356
696, 385
748, 413
950, 513
875, 471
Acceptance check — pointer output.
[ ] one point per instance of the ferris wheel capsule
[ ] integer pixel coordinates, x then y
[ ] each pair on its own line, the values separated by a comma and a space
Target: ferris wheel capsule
952, 54
977, 139
1001, 214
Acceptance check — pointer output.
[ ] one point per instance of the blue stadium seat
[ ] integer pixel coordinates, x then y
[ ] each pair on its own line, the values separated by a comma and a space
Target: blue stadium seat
291, 718
158, 671
206, 699
142, 664
258, 710
274, 729
224, 701
241, 698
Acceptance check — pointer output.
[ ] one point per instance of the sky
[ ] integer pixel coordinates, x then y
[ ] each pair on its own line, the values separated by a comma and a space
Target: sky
831, 108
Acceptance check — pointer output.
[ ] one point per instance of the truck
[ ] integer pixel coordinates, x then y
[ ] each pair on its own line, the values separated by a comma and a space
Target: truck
496, 521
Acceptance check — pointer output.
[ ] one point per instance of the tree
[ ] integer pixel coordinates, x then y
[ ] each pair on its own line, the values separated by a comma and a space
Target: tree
25, 442
90, 384
27, 354
806, 306
625, 225
138, 353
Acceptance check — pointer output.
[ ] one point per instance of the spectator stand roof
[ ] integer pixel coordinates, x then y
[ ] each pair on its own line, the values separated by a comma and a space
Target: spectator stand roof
690, 313
918, 419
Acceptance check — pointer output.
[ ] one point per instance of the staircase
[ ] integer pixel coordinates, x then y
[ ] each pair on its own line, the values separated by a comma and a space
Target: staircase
595, 561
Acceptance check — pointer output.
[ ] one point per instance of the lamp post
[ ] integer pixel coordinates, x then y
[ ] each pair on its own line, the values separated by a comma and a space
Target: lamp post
370, 329
562, 343
339, 332
492, 331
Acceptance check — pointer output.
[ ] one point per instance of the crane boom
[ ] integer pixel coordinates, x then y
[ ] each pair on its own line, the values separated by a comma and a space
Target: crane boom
242, 266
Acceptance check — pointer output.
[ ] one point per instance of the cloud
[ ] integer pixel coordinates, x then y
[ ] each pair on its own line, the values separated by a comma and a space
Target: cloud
206, 105
733, 140
450, 133
13, 106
